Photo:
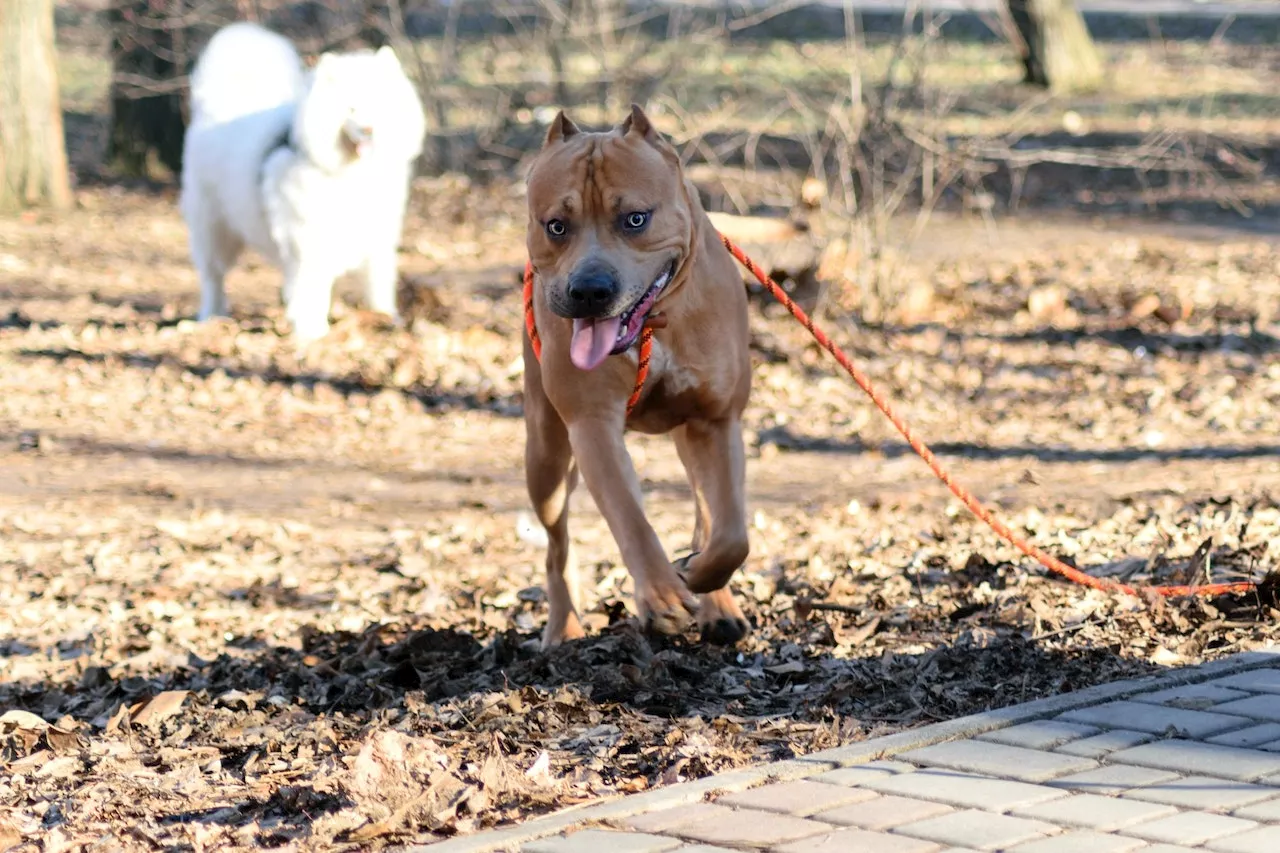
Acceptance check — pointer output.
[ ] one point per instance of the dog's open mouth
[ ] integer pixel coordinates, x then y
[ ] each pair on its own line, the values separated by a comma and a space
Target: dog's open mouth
597, 338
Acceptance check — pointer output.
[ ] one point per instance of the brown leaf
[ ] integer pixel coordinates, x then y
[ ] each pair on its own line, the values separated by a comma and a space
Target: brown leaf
10, 836
160, 708
381, 761
862, 633
61, 740
62, 767
31, 763
1145, 306
120, 719
21, 719
1046, 302
377, 829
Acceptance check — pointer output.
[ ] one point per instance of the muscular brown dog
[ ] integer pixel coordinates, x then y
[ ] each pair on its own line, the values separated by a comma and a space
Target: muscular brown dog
617, 235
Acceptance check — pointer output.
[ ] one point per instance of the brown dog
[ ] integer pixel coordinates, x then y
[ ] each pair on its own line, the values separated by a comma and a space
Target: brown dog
617, 235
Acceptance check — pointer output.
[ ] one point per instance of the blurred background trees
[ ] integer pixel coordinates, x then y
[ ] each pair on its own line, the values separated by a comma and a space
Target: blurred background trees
33, 160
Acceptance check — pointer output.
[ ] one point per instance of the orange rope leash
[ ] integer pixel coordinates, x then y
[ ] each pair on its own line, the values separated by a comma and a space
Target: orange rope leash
646, 340
921, 449
962, 494
531, 327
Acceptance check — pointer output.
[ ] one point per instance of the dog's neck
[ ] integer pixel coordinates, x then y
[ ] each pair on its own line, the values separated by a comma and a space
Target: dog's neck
698, 225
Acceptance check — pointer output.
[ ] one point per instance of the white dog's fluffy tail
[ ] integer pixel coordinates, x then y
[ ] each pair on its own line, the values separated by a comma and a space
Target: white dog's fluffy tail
245, 69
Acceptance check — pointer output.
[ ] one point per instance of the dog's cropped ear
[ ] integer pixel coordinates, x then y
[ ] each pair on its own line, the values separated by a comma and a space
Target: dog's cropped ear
637, 123
561, 129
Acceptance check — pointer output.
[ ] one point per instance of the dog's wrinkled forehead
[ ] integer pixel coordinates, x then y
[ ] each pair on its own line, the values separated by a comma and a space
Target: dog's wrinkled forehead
600, 175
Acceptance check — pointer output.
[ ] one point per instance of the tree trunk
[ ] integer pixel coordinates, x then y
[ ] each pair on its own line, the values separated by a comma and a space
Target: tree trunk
33, 152
1057, 51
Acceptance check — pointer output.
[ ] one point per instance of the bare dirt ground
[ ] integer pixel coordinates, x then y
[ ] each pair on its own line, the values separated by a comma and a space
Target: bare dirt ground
249, 599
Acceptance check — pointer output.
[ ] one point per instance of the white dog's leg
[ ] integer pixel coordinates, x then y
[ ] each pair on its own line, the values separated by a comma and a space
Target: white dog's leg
380, 282
213, 251
309, 295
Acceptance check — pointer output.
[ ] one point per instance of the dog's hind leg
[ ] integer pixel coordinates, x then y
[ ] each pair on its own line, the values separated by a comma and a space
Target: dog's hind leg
551, 476
214, 249
719, 618
713, 458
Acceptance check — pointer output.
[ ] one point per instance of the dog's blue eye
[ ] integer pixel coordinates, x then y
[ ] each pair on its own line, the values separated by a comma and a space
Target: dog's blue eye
556, 228
636, 221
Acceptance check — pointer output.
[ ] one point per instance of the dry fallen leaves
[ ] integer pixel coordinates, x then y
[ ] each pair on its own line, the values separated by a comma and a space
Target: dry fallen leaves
163, 706
200, 529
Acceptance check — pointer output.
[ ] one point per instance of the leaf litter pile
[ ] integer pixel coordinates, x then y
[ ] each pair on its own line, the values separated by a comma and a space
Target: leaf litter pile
250, 598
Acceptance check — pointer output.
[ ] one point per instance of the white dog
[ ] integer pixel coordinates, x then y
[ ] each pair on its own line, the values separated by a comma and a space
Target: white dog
310, 169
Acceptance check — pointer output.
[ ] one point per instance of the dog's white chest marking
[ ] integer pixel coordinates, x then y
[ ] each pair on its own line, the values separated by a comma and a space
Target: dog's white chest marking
676, 379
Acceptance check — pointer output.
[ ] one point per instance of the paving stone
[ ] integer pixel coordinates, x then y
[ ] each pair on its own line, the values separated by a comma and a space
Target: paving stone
800, 798
860, 840
860, 774
1202, 792
1156, 719
977, 829
1267, 812
595, 840
996, 759
748, 828
1263, 840
1107, 742
1256, 736
1113, 779
1091, 811
882, 812
671, 819
1186, 756
1255, 681
1189, 828
1195, 697
1080, 842
1041, 734
1265, 706
963, 789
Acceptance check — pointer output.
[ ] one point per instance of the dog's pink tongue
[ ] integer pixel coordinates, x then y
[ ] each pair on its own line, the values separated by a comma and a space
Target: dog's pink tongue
592, 342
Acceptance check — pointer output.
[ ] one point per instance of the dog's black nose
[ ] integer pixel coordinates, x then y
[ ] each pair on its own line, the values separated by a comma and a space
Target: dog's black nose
592, 290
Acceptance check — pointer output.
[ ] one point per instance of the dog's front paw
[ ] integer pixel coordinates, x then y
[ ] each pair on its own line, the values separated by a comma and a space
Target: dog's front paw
561, 628
721, 620
665, 605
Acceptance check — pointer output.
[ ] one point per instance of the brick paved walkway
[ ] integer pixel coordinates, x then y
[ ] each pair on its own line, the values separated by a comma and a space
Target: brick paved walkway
1188, 761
